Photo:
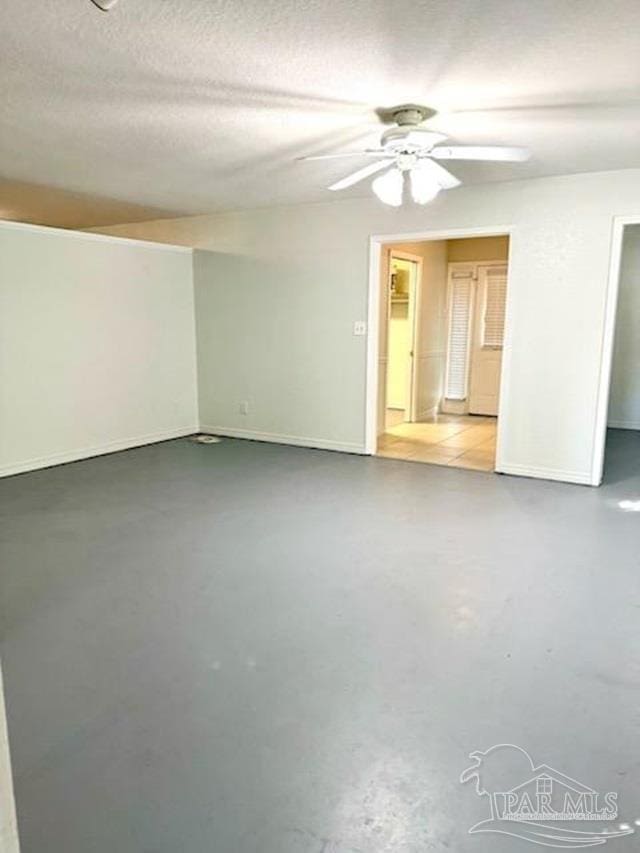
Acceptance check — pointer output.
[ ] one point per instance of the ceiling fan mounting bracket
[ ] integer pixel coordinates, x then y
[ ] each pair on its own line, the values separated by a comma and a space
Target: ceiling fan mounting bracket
405, 115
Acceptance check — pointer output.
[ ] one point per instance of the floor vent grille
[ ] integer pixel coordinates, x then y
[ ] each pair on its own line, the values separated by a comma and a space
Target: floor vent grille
206, 439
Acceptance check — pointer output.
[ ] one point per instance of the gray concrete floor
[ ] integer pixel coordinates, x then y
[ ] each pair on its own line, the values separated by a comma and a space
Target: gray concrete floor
249, 648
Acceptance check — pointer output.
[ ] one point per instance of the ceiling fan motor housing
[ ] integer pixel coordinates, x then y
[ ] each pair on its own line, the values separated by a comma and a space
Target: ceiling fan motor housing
410, 137
407, 131
403, 114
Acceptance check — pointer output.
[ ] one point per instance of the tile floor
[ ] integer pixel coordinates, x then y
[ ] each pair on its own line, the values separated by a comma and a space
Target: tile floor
459, 441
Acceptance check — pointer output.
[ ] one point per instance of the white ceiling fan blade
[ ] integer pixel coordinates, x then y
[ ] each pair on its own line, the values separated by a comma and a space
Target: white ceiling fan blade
502, 153
105, 5
368, 152
441, 175
361, 174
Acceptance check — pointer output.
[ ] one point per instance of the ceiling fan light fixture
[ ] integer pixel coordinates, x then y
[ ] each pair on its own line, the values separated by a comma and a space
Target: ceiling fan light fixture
389, 187
424, 188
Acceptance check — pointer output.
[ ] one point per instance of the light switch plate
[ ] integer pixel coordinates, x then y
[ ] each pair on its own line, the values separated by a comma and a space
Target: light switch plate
359, 327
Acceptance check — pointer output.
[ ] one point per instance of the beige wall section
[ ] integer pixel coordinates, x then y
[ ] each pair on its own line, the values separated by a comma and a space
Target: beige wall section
279, 290
97, 346
477, 249
41, 205
8, 827
624, 401
397, 357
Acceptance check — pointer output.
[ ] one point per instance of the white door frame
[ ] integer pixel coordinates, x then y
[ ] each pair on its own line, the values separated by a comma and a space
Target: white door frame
377, 243
414, 314
608, 336
8, 822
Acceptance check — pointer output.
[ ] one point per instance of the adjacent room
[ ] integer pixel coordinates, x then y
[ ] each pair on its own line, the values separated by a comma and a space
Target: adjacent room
319, 426
443, 305
623, 419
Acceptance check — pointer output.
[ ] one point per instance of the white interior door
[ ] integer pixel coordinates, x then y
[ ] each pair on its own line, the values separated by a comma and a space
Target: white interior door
487, 339
401, 318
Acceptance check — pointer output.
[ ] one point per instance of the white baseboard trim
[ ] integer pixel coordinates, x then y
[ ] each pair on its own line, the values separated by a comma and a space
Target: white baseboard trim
575, 477
88, 452
454, 407
428, 413
280, 438
624, 424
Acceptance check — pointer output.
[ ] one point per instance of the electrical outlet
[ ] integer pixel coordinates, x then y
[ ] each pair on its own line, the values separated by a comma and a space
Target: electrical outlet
244, 408
359, 327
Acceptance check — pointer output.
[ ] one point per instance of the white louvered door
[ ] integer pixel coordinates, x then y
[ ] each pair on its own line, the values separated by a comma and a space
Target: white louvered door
460, 306
487, 339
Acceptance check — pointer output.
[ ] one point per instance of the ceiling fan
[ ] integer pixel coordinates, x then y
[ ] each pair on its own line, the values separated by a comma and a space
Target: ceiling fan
410, 149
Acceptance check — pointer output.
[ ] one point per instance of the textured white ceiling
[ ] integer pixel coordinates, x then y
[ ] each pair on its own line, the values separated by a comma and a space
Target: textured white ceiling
203, 105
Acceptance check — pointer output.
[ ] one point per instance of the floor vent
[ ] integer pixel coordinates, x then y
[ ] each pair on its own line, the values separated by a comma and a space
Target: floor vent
206, 439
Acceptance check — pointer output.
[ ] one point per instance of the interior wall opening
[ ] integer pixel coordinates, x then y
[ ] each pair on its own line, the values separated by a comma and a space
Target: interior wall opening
404, 275
622, 447
441, 337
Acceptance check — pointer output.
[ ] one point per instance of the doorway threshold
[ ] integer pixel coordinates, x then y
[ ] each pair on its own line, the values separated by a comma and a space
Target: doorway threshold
456, 441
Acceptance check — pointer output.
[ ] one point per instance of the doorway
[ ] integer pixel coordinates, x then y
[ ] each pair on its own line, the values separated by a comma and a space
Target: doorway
442, 312
405, 271
622, 425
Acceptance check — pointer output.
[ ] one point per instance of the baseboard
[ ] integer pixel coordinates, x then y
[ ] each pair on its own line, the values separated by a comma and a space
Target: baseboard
38, 463
454, 407
624, 424
575, 477
280, 438
428, 413
88, 452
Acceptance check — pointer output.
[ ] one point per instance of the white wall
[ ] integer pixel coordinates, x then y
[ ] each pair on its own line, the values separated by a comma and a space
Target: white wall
624, 401
266, 335
97, 345
279, 293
